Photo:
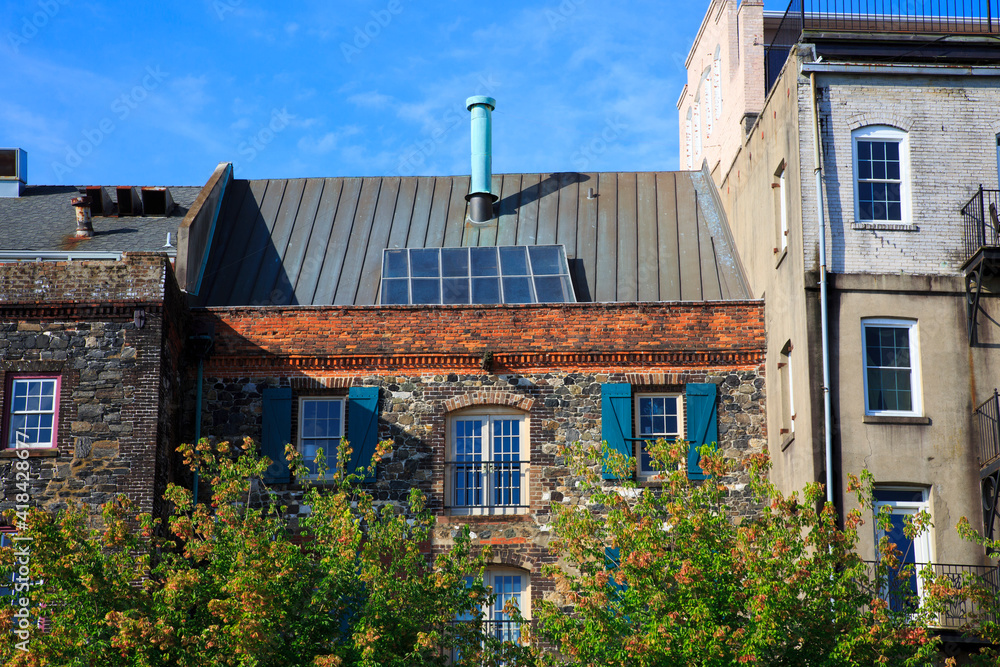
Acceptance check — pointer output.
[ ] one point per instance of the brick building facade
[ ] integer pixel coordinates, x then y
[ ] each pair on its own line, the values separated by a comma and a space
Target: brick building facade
549, 366
100, 344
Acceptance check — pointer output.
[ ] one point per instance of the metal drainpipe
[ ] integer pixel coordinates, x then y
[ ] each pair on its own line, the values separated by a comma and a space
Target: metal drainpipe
823, 315
197, 424
480, 198
200, 345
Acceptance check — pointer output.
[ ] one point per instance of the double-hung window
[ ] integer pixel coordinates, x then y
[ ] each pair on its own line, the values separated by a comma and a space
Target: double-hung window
891, 358
657, 416
903, 587
510, 587
321, 426
32, 411
487, 467
881, 175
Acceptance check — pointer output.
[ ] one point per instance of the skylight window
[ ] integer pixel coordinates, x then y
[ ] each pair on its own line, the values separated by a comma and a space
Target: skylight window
487, 275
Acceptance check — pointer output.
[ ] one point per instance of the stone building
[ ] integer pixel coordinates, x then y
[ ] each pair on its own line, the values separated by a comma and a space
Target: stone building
895, 217
477, 396
90, 379
586, 307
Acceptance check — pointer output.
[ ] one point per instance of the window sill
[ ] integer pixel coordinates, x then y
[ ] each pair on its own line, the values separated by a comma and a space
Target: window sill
780, 256
46, 452
885, 226
787, 441
452, 517
893, 419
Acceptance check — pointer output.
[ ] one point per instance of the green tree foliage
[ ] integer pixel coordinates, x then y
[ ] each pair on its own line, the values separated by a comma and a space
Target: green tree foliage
668, 575
227, 583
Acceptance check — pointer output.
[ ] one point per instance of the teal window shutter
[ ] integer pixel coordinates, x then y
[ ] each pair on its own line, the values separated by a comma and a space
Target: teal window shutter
616, 420
612, 559
702, 423
276, 432
362, 426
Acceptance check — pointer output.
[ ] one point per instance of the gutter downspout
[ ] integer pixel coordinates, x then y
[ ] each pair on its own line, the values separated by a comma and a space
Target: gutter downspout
202, 345
824, 326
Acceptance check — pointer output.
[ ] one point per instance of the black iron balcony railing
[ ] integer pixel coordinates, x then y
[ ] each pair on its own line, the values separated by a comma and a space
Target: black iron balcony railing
981, 216
988, 417
487, 487
913, 16
904, 593
504, 631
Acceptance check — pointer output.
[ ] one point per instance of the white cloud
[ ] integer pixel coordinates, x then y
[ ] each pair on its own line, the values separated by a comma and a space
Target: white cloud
328, 142
370, 100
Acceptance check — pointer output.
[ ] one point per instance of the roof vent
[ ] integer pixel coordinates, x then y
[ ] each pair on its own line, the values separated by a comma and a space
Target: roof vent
157, 201
13, 172
480, 198
101, 202
129, 202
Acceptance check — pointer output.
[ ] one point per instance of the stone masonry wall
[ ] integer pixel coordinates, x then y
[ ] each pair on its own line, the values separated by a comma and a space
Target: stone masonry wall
107, 355
419, 392
565, 407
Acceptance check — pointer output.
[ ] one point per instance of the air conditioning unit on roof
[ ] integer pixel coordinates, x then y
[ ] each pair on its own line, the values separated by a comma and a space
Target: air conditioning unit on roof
13, 172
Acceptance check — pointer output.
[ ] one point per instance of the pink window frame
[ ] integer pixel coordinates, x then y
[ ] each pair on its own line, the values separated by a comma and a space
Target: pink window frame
9, 396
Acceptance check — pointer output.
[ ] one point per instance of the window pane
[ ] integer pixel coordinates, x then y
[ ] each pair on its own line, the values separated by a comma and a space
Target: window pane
424, 263
864, 150
517, 290
454, 262
545, 260
426, 290
483, 261
513, 261
891, 151
395, 264
485, 290
551, 289
395, 291
455, 290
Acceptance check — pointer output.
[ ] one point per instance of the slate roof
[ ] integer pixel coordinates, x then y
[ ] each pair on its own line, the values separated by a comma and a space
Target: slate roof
43, 219
654, 236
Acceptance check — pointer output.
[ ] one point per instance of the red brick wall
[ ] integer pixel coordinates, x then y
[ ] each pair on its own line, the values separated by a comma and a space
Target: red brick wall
731, 332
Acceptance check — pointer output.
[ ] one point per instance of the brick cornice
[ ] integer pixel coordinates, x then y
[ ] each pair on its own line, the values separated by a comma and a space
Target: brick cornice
60, 311
502, 362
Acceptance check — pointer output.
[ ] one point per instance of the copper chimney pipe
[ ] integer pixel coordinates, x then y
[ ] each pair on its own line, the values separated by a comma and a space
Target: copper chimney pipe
84, 227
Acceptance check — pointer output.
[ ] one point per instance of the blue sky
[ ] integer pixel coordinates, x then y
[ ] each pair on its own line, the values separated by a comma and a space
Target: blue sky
139, 93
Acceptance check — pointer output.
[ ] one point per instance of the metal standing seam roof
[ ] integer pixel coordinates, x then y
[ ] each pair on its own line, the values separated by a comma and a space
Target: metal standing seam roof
42, 219
653, 236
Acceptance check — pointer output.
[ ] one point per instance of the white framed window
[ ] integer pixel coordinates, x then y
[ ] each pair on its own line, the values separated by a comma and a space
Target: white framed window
688, 141
697, 127
32, 413
778, 186
914, 552
488, 462
788, 397
509, 586
321, 426
881, 175
891, 367
659, 415
717, 80
706, 83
